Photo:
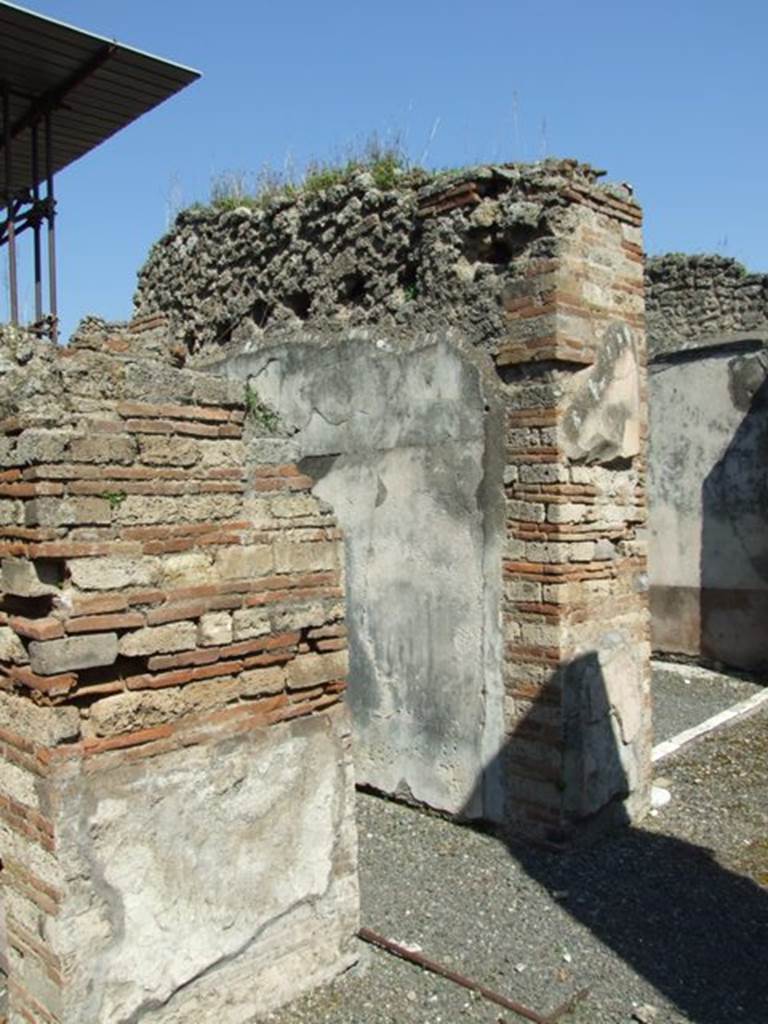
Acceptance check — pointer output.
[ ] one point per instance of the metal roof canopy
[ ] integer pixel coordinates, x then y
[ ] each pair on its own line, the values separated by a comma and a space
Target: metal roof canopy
63, 92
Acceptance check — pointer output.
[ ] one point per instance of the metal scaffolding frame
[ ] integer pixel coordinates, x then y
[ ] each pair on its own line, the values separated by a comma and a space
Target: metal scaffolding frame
62, 92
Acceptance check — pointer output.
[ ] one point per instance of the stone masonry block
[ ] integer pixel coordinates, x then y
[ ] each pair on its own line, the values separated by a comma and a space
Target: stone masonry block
186, 569
584, 551
303, 615
526, 511
293, 505
204, 696
522, 590
113, 448
262, 681
541, 634
50, 657
175, 636
39, 724
541, 551
548, 472
141, 509
67, 512
292, 557
567, 512
11, 647
113, 572
216, 454
18, 785
248, 623
168, 451
42, 446
238, 562
313, 669
25, 578
215, 628
11, 513
129, 712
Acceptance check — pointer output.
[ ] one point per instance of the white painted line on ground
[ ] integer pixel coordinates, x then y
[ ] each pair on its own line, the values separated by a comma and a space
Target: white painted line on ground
740, 710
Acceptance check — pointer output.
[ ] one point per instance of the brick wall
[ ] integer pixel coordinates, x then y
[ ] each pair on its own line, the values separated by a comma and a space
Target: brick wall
575, 606
168, 584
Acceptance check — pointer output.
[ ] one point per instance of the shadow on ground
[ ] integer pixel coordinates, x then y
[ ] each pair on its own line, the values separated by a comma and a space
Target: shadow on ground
694, 930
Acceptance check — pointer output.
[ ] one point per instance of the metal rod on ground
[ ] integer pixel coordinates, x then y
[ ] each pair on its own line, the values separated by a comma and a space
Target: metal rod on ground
52, 301
445, 972
36, 229
12, 281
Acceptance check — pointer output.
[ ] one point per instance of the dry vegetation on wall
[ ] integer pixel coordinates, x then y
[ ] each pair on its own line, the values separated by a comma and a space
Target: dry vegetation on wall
386, 161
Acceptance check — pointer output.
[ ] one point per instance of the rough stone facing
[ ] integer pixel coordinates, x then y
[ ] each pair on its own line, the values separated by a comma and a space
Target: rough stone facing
700, 296
427, 255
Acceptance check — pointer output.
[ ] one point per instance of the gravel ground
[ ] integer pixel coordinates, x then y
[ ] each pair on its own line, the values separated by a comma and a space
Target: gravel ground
685, 695
671, 916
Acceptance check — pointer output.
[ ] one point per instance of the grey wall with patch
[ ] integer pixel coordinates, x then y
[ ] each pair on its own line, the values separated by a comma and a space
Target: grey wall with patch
708, 499
396, 436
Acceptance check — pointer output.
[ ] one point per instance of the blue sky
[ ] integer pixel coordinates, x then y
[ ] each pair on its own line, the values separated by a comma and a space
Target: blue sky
668, 96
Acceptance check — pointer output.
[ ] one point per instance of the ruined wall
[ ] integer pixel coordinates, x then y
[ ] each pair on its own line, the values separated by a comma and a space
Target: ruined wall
708, 326
709, 503
176, 813
540, 269
693, 297
428, 255
708, 320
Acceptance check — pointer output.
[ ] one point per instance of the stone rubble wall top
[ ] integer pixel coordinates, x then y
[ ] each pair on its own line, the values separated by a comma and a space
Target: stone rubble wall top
430, 254
690, 298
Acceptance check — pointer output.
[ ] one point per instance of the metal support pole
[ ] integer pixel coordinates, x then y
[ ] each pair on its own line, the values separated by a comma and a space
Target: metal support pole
475, 986
13, 287
36, 229
51, 215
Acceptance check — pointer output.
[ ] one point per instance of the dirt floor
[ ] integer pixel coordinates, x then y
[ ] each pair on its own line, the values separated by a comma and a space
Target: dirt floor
666, 923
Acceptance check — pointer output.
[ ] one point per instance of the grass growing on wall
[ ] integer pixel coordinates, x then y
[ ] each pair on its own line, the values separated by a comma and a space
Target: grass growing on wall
384, 159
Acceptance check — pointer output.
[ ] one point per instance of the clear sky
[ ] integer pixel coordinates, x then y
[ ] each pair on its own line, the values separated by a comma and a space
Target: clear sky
669, 96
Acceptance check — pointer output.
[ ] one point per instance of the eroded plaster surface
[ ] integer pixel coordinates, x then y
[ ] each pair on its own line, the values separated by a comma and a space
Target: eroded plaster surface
400, 440
206, 849
709, 503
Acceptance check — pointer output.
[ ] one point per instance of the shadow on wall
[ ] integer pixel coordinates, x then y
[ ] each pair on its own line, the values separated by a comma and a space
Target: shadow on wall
694, 930
734, 541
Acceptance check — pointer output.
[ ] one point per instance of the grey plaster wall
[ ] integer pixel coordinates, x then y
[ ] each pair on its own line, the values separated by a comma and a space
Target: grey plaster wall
708, 500
397, 438
193, 873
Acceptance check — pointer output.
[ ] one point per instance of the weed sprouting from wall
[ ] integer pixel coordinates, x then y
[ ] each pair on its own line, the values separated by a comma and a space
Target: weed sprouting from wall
259, 412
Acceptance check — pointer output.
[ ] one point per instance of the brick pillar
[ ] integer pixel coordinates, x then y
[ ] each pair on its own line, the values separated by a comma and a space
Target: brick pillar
575, 603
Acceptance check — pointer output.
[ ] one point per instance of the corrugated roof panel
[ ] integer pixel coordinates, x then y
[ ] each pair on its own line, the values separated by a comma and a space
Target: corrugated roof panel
40, 57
